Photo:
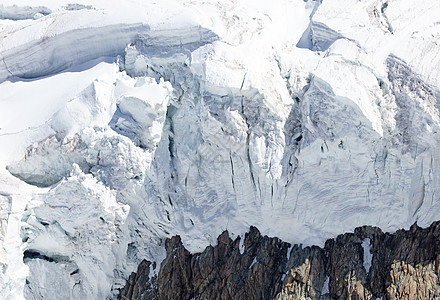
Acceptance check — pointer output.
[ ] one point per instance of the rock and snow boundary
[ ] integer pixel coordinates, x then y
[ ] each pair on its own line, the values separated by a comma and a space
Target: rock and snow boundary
366, 264
305, 119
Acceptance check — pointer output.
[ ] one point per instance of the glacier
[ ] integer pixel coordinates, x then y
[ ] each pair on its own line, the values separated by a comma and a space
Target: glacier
124, 124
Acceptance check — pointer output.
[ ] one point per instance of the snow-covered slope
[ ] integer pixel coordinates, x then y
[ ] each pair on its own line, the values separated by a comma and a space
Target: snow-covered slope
124, 124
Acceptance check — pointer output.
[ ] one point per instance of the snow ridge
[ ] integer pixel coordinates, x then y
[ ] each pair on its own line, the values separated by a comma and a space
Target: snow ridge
57, 53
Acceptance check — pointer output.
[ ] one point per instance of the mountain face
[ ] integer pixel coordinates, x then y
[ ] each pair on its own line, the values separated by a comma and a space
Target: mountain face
125, 124
366, 264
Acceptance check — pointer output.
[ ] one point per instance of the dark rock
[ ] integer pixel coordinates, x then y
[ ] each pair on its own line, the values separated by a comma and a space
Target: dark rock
139, 284
404, 265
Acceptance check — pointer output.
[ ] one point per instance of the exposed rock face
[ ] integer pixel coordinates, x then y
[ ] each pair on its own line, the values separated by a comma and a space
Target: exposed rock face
366, 264
139, 285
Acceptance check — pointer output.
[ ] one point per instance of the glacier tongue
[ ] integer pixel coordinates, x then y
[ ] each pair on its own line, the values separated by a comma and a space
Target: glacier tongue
304, 119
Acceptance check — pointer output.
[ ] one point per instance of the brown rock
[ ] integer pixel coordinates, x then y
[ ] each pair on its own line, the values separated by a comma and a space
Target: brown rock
404, 265
139, 285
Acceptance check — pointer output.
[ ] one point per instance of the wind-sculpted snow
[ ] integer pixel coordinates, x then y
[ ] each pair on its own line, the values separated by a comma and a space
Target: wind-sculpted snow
305, 119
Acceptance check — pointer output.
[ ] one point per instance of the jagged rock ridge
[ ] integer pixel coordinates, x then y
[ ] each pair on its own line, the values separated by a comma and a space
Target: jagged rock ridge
366, 264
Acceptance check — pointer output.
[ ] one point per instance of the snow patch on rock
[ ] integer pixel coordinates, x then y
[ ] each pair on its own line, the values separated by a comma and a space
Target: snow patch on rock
366, 245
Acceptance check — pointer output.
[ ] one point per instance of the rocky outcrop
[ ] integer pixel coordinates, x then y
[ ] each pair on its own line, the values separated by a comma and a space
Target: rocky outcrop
366, 264
139, 285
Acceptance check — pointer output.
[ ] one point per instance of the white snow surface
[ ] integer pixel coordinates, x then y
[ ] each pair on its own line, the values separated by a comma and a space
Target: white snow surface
325, 287
366, 245
122, 124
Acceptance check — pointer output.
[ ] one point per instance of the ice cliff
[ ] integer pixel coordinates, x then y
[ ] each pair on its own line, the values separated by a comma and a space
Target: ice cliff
122, 125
